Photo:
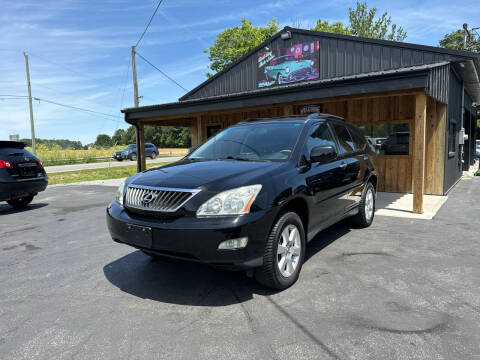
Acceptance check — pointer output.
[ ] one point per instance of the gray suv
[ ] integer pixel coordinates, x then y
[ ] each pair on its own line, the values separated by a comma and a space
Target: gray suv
130, 152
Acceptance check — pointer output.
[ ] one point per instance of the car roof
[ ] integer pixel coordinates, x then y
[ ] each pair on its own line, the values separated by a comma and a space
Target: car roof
12, 144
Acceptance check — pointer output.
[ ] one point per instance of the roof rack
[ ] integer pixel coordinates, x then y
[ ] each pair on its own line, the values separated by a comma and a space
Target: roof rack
305, 117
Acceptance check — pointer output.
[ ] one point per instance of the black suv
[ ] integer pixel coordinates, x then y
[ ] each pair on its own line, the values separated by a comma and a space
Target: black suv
130, 152
251, 197
21, 174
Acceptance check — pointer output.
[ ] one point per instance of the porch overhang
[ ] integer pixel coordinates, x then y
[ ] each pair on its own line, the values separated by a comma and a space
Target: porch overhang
384, 81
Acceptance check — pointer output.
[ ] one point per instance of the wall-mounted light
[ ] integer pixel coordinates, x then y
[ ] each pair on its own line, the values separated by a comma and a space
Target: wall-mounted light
286, 35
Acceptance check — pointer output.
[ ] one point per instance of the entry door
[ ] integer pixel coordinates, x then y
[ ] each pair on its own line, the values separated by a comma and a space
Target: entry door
323, 181
351, 163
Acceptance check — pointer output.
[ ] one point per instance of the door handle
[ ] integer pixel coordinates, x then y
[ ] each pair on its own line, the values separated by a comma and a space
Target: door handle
343, 165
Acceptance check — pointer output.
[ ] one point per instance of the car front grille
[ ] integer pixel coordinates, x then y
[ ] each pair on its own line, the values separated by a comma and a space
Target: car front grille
157, 199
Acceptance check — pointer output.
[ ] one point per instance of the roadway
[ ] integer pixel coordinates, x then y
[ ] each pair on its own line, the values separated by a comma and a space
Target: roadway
105, 164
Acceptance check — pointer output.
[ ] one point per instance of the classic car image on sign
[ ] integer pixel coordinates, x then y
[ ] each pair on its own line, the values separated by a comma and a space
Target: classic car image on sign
290, 65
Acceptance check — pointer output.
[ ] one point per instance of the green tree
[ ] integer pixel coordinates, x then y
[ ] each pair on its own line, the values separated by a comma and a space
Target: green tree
130, 136
103, 140
118, 137
363, 23
454, 40
336, 27
233, 43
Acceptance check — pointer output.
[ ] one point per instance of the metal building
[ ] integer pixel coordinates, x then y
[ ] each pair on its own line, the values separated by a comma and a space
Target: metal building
416, 103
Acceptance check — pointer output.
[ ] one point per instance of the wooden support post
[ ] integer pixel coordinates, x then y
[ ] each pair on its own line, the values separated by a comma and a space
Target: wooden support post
288, 110
199, 130
194, 133
141, 162
418, 171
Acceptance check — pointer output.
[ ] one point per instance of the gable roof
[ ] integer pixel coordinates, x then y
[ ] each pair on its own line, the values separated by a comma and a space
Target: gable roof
435, 54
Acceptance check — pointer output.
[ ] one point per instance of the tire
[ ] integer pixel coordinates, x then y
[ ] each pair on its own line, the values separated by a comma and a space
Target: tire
153, 155
270, 273
133, 157
366, 208
21, 202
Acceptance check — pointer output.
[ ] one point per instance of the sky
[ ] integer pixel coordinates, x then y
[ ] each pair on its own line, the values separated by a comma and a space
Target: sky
79, 51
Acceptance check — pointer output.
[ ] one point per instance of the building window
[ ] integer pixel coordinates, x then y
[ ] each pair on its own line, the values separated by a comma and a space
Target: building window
388, 139
213, 130
452, 137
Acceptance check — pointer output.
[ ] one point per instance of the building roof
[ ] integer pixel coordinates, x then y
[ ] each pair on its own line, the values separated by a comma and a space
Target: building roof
407, 78
358, 39
348, 65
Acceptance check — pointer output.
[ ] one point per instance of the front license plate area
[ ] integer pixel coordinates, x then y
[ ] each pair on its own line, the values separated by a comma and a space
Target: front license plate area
139, 235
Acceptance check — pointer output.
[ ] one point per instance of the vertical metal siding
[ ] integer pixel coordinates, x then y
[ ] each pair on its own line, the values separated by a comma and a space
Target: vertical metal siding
437, 83
338, 57
453, 169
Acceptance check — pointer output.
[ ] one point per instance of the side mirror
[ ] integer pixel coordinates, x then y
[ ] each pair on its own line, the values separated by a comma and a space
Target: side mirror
192, 149
323, 154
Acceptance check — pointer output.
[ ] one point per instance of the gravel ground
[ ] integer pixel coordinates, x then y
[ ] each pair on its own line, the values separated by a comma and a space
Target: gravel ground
401, 289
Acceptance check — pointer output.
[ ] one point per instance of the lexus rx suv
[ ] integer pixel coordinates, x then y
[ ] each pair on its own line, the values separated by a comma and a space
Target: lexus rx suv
22, 175
251, 197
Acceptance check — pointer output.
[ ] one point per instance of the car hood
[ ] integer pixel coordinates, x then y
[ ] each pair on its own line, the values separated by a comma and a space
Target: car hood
214, 175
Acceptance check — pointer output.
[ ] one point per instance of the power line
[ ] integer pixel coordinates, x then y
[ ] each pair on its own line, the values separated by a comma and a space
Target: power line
149, 22
77, 108
168, 77
19, 96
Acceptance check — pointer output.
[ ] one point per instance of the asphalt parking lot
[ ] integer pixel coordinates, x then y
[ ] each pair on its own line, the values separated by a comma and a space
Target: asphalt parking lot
400, 289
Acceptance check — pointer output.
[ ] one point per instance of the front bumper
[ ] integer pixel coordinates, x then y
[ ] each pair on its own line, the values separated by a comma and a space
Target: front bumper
120, 156
15, 189
197, 239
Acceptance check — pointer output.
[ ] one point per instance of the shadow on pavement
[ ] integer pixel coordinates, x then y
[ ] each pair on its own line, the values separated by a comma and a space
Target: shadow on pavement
7, 209
189, 283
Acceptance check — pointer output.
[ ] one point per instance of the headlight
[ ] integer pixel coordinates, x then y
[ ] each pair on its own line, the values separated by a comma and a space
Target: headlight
119, 193
231, 202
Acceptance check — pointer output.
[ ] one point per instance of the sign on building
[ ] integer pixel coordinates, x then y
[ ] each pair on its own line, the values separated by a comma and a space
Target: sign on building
288, 65
14, 137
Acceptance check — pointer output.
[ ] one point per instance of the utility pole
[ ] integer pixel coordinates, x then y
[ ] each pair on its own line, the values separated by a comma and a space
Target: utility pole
32, 127
135, 84
465, 35
141, 164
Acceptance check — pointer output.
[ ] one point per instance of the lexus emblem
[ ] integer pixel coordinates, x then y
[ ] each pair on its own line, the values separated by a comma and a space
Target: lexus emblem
148, 198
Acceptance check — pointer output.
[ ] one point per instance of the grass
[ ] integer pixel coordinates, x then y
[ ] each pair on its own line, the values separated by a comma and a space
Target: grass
57, 156
117, 172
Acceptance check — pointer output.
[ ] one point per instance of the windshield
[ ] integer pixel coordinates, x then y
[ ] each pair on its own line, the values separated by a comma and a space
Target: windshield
254, 142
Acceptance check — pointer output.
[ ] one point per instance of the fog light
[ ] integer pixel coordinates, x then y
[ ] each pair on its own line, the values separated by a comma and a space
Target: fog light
233, 244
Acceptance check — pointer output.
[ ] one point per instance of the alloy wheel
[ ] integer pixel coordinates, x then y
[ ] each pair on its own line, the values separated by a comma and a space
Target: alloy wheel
289, 250
369, 204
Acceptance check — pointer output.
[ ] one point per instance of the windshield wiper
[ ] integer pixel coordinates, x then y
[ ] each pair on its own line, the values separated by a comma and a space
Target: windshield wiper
239, 158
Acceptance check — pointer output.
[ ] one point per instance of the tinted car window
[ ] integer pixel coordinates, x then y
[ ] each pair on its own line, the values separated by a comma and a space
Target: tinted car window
358, 139
320, 135
344, 139
268, 141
